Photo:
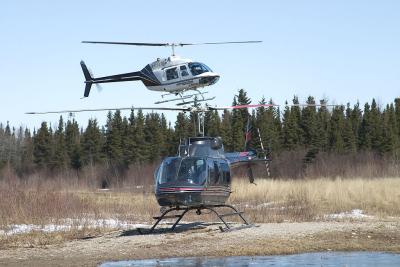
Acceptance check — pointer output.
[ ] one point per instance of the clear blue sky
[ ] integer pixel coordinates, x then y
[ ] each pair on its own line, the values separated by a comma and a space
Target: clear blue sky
343, 50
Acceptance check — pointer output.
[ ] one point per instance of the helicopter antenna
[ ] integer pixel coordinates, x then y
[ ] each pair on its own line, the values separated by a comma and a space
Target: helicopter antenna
264, 152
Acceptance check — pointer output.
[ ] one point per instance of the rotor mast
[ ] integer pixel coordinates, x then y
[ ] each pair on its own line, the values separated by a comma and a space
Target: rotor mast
173, 49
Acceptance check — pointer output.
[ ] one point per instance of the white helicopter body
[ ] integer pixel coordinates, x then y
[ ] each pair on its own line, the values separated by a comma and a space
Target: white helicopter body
172, 75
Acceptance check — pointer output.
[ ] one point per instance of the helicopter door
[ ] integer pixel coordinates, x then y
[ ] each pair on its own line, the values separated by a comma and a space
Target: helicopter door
172, 73
214, 172
226, 173
184, 72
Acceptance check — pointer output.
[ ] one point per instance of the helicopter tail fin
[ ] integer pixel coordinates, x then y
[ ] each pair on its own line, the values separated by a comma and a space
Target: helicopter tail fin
88, 79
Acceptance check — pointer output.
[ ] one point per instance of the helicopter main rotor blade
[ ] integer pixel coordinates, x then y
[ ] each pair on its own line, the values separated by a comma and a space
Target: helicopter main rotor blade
108, 109
125, 43
169, 44
217, 43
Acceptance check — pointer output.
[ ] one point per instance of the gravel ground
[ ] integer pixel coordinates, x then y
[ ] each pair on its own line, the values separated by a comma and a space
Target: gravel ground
205, 239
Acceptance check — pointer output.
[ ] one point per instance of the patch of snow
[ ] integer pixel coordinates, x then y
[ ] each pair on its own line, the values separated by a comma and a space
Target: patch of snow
68, 224
353, 214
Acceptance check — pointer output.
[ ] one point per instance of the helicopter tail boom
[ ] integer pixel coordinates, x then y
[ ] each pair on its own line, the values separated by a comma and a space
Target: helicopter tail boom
146, 75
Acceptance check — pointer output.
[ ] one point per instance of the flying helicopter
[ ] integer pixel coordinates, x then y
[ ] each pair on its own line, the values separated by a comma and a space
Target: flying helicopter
172, 75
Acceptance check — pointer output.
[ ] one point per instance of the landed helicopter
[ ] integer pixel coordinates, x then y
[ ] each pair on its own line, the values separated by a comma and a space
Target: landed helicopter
173, 75
199, 178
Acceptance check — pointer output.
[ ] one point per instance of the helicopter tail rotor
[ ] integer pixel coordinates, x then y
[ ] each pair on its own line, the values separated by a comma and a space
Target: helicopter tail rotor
88, 79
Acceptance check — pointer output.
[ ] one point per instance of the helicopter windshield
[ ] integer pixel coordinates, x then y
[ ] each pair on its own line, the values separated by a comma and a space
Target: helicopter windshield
188, 171
197, 68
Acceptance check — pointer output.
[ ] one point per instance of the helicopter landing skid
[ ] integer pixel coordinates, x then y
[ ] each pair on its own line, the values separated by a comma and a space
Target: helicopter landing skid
198, 209
195, 101
183, 97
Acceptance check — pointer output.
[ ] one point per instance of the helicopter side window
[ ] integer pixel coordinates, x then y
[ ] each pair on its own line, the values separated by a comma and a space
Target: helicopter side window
184, 71
172, 73
225, 173
214, 172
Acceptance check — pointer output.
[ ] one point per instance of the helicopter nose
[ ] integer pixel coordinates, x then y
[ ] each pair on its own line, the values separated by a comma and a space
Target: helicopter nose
210, 79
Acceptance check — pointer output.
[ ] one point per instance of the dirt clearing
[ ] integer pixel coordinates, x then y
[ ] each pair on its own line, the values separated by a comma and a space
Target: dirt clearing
204, 239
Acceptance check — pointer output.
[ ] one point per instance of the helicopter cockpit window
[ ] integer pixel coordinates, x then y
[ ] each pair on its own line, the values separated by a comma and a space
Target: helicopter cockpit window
198, 68
172, 73
193, 171
168, 170
184, 71
178, 170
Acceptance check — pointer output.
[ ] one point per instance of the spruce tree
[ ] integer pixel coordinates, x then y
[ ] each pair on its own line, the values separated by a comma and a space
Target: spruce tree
336, 129
27, 164
42, 147
322, 121
238, 127
60, 152
268, 122
91, 144
72, 144
142, 152
397, 114
181, 128
349, 138
113, 145
364, 132
166, 139
356, 117
212, 123
130, 142
390, 140
153, 136
308, 122
376, 127
292, 132
226, 130
289, 136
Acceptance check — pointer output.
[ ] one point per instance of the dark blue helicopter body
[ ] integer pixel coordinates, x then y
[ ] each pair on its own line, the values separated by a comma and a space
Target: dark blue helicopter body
200, 174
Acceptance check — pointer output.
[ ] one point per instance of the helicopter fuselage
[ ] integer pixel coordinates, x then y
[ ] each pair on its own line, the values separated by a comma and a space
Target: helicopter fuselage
171, 75
199, 175
176, 75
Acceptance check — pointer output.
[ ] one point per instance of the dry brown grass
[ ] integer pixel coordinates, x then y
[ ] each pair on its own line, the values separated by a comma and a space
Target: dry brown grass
269, 200
24, 202
304, 200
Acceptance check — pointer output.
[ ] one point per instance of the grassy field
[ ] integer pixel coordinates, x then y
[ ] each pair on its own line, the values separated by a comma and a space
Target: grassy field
308, 200
267, 201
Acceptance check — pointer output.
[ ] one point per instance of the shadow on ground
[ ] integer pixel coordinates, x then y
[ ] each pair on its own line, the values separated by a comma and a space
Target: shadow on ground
164, 229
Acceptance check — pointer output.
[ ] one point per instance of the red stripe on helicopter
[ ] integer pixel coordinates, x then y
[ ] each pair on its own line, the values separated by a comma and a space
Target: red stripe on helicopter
181, 189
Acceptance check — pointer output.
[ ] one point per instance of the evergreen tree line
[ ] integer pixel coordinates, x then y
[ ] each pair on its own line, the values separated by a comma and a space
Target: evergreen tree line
146, 138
